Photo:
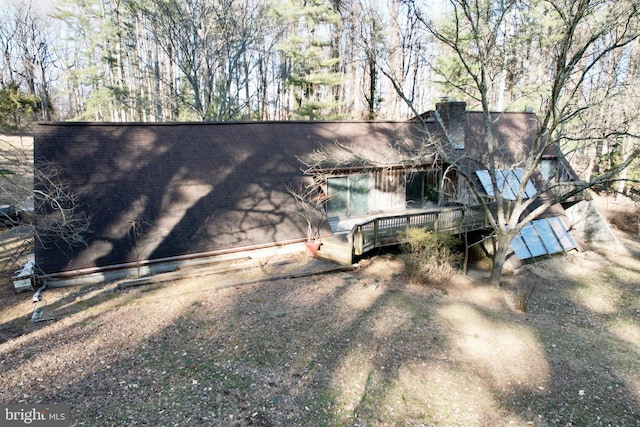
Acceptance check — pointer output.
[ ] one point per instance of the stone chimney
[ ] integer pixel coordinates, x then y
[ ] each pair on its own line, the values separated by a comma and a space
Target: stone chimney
453, 117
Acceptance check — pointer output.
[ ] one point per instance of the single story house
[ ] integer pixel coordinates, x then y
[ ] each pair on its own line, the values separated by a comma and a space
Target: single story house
155, 192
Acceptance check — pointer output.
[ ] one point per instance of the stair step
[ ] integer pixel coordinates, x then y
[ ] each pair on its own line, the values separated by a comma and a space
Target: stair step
336, 248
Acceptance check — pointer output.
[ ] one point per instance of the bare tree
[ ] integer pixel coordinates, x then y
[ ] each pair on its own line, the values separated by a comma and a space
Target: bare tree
27, 59
584, 35
36, 198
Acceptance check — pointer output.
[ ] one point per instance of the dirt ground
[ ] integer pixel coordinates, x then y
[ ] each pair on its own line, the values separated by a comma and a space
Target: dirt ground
347, 348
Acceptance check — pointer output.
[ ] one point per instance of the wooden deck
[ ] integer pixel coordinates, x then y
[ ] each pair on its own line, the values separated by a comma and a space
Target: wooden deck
357, 236
380, 231
386, 231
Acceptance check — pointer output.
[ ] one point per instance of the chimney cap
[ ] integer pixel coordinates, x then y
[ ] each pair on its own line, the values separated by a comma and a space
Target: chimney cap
451, 103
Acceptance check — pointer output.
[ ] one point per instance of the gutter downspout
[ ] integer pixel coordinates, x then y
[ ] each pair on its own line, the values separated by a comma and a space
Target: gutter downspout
37, 300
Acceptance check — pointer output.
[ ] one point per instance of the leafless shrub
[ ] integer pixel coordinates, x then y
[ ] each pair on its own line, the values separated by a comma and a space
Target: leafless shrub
57, 209
310, 203
429, 256
37, 200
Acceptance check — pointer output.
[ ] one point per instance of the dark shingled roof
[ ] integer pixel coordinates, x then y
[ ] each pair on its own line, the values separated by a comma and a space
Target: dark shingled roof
161, 190
193, 187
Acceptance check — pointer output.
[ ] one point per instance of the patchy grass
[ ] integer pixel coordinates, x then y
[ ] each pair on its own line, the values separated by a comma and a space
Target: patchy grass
361, 348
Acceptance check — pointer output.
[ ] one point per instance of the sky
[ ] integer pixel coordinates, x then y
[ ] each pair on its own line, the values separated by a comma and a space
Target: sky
40, 6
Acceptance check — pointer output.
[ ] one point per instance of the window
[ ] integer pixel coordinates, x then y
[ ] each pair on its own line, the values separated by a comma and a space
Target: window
547, 168
348, 195
422, 187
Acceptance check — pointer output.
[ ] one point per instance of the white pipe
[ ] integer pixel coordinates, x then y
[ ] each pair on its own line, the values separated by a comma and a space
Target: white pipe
37, 296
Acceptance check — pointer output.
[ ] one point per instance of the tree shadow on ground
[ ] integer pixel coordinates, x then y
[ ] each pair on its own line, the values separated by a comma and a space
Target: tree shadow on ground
357, 348
57, 304
592, 377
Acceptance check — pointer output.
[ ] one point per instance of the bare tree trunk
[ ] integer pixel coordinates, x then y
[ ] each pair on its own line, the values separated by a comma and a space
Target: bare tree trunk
373, 88
627, 150
395, 60
247, 87
499, 258
261, 100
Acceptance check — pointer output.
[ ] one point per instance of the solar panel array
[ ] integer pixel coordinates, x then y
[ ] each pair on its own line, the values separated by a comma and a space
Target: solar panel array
508, 181
539, 237
542, 237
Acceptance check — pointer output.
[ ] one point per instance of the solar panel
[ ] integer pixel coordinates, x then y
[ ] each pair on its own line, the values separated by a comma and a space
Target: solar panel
532, 240
561, 233
505, 178
542, 237
520, 249
529, 189
547, 236
508, 182
485, 180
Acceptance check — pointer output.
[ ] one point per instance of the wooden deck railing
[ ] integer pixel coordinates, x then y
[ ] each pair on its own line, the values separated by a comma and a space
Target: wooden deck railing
388, 230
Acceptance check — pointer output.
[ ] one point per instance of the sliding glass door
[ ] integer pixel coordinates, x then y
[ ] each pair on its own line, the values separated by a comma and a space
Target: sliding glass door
348, 195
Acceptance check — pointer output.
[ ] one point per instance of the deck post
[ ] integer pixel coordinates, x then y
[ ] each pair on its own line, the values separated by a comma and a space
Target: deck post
351, 246
358, 240
375, 233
